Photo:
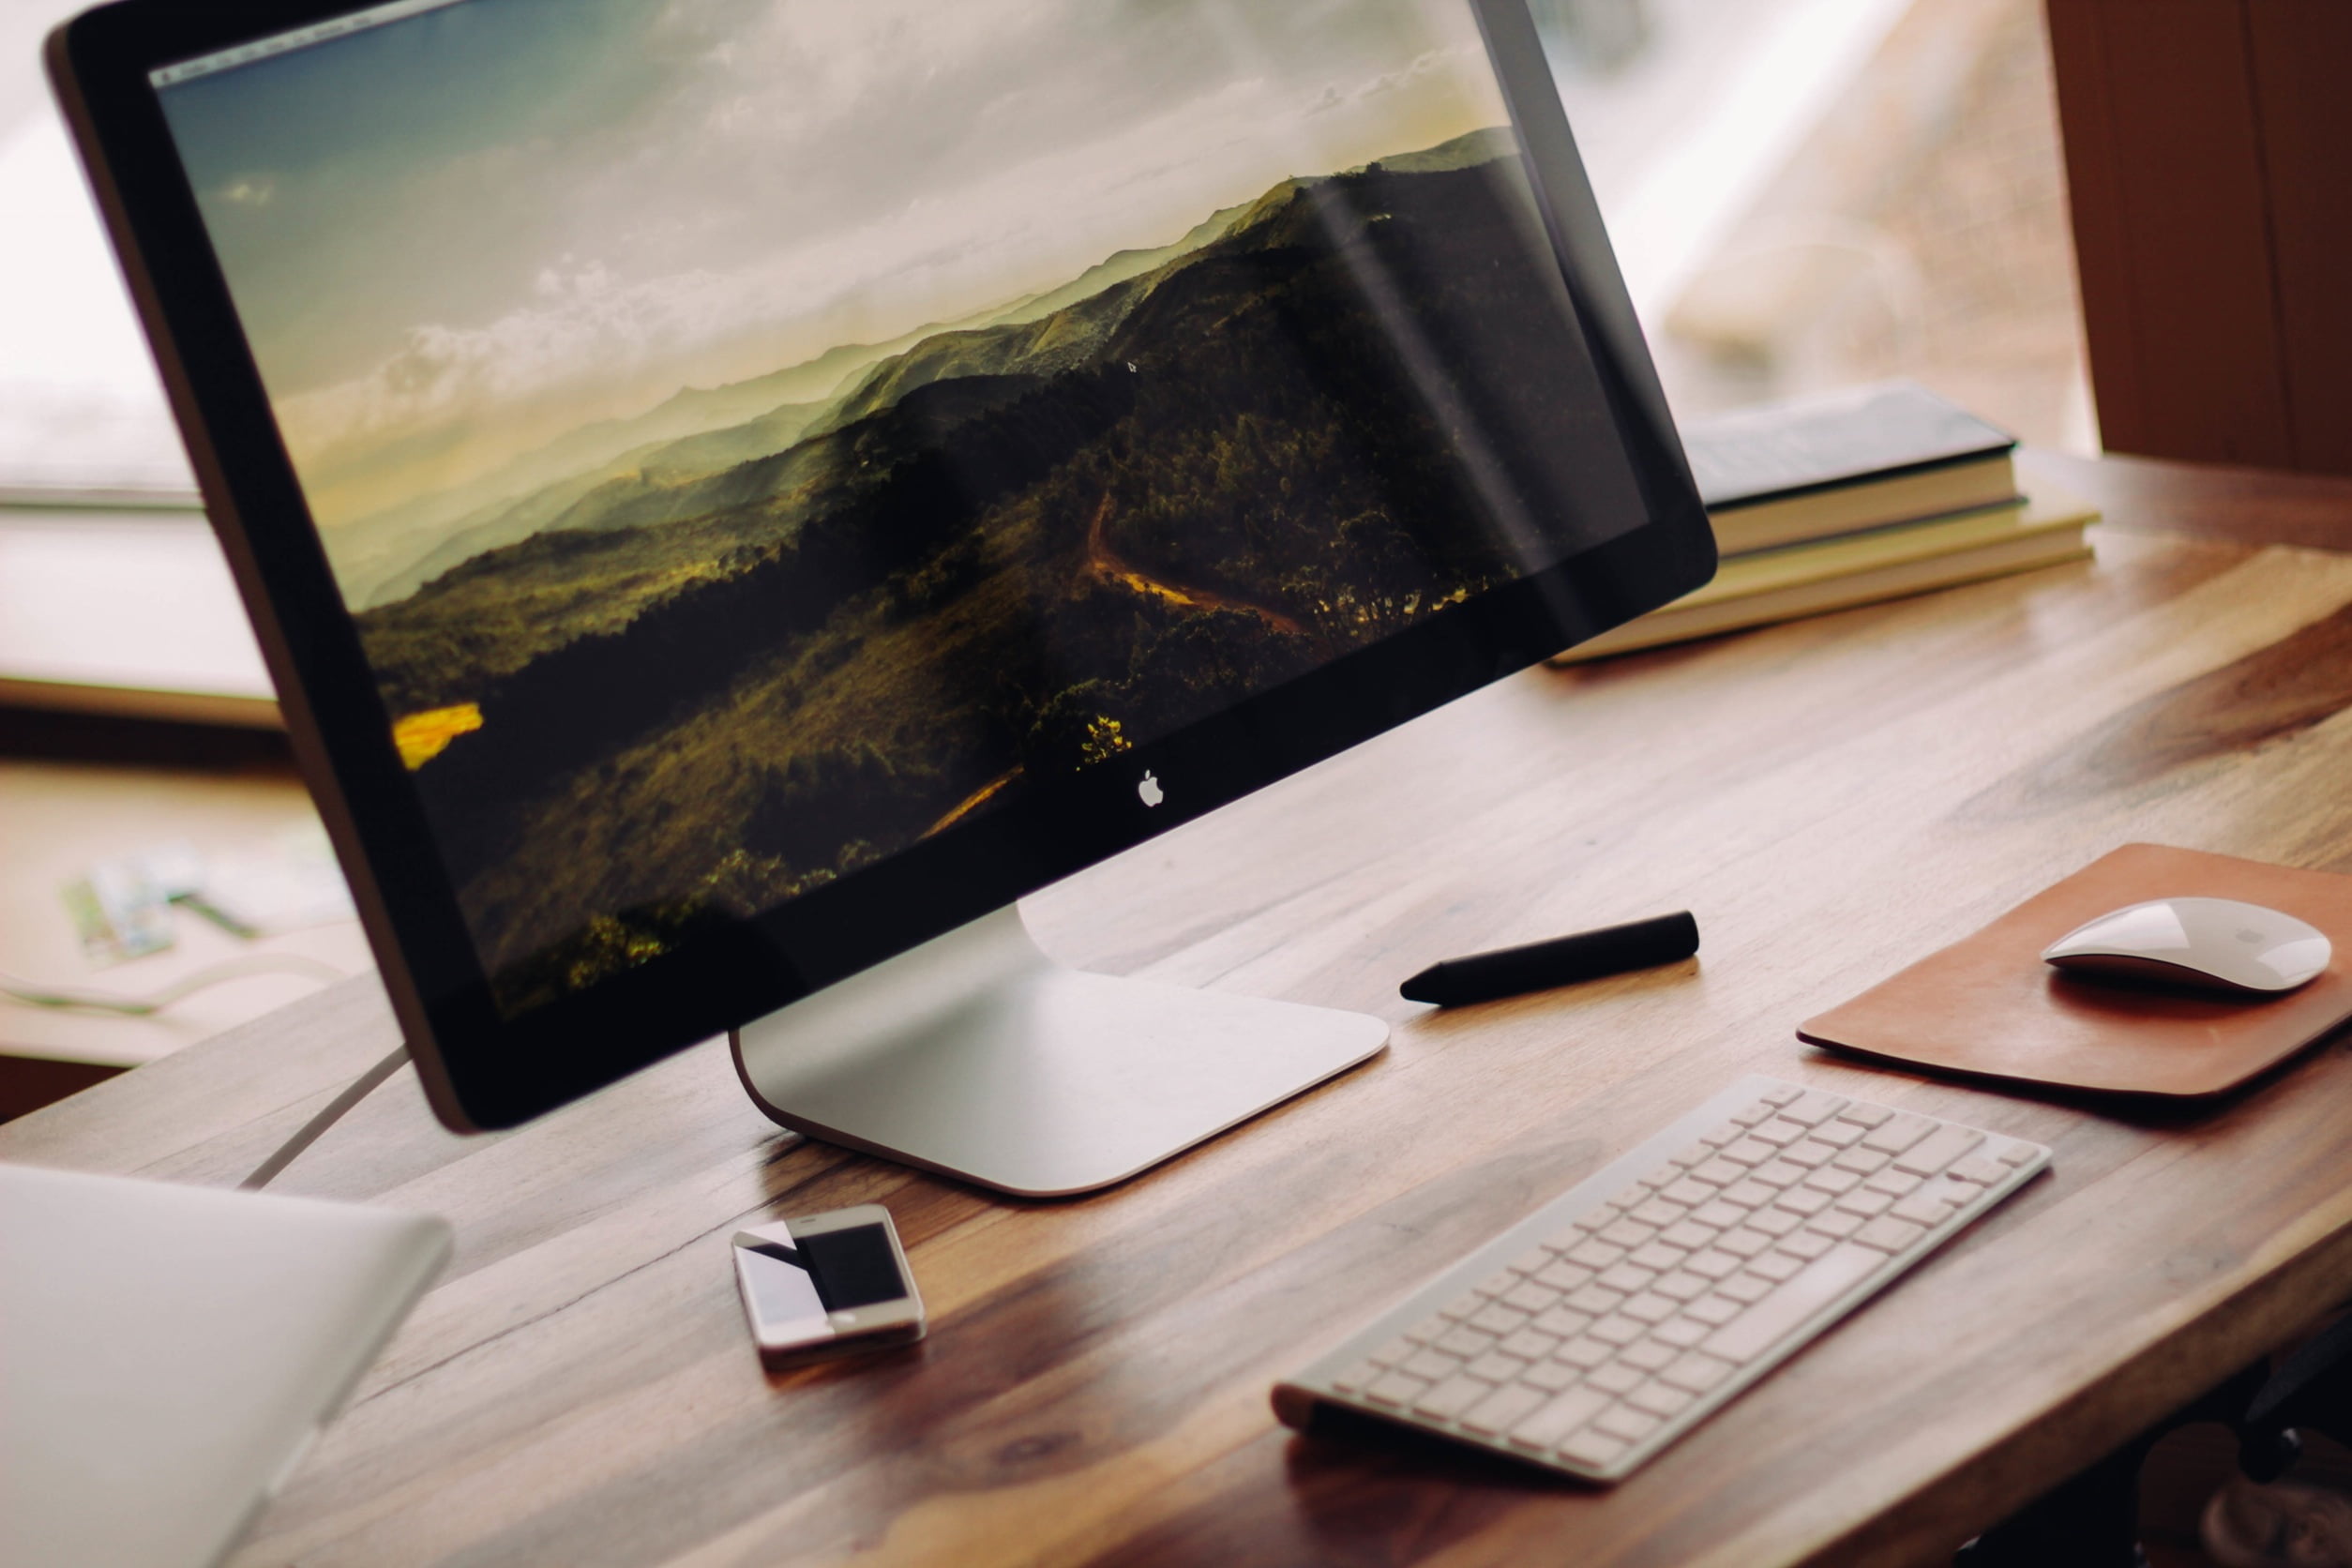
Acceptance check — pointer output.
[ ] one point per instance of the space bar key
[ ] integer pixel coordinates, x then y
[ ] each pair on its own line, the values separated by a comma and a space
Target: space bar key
1769, 1321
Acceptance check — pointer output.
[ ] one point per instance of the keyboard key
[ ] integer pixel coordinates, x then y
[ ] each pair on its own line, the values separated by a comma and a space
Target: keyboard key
1782, 1172
1658, 1257
1979, 1169
1899, 1134
1627, 1422
1743, 1243
1835, 1224
1809, 1153
1866, 1203
1924, 1208
1592, 1447
1496, 1283
1749, 1151
1506, 1408
1594, 1254
1773, 1222
1564, 1277
1697, 1372
1451, 1397
1625, 1277
1550, 1376
1397, 1350
1718, 1173
1861, 1161
1356, 1377
1595, 1298
1529, 1344
1497, 1319
1534, 1260
1750, 1194
1628, 1233
1616, 1329
1711, 1264
1776, 1266
1564, 1322
1947, 1145
1760, 1111
1688, 1193
1745, 1288
1824, 1280
1559, 1417
1659, 1212
1839, 1134
1396, 1387
1834, 1181
2012, 1154
1690, 1235
1496, 1367
1658, 1398
1890, 1235
1780, 1093
1721, 1214
1715, 1311
1430, 1365
1780, 1133
1615, 1379
1866, 1116
1584, 1352
1894, 1184
1651, 1308
1647, 1356
1813, 1108
1803, 1202
1465, 1343
1807, 1244
1681, 1286
1533, 1298
1681, 1334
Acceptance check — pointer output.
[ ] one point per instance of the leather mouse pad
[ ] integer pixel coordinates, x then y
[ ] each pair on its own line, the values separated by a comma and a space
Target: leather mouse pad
1988, 1004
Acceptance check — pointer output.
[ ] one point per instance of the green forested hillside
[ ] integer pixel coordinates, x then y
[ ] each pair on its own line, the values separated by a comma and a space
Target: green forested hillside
1029, 549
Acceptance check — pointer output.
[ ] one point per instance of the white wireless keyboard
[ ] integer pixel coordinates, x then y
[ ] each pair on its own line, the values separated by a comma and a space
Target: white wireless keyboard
1627, 1310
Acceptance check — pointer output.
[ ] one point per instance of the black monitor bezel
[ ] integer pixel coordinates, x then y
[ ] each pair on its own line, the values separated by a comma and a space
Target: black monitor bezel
484, 1071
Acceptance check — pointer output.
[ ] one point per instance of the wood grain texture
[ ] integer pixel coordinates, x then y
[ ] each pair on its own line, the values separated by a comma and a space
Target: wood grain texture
1833, 798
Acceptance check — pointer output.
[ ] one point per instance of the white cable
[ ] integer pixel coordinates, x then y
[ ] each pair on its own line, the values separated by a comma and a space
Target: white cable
360, 1089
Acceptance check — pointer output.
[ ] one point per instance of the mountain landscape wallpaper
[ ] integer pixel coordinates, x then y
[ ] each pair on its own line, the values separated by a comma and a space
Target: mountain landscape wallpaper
686, 595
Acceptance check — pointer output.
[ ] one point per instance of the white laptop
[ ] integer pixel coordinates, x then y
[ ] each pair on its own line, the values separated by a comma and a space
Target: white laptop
167, 1354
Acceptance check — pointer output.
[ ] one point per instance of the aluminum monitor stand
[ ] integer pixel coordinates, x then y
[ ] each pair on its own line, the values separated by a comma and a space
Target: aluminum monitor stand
976, 1056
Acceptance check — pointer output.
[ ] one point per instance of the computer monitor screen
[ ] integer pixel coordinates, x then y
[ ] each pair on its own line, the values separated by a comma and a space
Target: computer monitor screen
795, 473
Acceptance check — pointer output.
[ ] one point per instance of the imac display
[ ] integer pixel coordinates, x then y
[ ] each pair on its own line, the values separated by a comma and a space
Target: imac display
774, 457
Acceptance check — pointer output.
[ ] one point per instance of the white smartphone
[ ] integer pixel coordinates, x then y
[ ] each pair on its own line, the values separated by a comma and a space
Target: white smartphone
826, 1284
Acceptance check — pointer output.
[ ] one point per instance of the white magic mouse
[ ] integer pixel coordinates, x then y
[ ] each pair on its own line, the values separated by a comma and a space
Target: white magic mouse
2215, 943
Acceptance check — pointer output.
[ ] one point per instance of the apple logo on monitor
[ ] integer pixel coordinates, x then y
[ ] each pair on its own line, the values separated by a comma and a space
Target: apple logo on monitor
1149, 788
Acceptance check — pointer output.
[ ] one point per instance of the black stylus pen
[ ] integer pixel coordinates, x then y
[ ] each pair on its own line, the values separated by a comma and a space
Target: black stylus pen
1563, 960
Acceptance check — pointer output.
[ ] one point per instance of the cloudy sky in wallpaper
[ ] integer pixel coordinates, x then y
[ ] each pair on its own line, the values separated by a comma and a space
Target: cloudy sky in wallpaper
458, 236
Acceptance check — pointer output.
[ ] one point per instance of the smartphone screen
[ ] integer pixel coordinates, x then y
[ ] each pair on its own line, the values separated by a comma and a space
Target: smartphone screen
853, 1268
833, 1271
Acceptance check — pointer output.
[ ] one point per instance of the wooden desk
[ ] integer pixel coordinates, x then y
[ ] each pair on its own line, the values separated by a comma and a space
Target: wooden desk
1833, 798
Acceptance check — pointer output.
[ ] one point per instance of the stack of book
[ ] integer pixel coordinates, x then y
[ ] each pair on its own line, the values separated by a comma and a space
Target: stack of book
1834, 502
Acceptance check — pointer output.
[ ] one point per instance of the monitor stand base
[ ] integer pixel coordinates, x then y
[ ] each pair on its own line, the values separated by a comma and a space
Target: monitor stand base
976, 1056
